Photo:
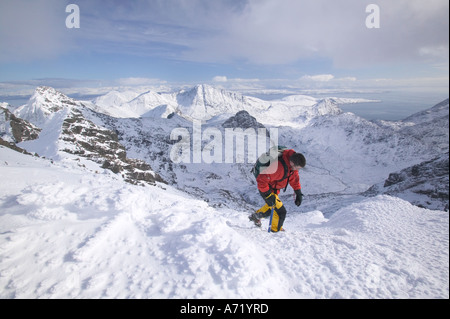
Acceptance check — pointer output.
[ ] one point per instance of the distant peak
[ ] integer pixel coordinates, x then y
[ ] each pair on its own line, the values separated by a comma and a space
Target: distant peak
207, 87
47, 90
244, 120
43, 103
52, 95
203, 86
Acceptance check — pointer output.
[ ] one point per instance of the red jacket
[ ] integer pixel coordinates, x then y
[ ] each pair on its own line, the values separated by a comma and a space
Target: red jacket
274, 180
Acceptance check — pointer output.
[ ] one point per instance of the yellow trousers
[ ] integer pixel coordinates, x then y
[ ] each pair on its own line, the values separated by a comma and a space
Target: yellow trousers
279, 214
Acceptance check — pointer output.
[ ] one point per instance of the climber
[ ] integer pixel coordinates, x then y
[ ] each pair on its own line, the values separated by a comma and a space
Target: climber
269, 186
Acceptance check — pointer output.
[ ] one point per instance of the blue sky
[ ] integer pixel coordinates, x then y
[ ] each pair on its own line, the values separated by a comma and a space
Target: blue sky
290, 45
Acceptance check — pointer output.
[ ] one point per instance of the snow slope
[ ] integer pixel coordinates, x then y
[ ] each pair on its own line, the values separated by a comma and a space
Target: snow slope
68, 232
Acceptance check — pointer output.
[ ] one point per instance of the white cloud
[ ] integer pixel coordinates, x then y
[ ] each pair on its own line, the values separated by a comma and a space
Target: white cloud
220, 78
434, 52
283, 32
348, 79
235, 32
138, 81
318, 78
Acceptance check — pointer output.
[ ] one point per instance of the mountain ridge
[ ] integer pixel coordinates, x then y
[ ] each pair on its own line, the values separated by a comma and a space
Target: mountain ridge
203, 102
353, 152
65, 132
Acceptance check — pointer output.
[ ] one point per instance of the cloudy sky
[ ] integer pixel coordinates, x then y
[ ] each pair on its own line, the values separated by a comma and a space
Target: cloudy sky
241, 44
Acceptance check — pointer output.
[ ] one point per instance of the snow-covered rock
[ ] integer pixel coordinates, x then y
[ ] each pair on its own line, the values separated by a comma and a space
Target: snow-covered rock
243, 120
425, 184
66, 132
430, 126
201, 102
204, 102
43, 104
14, 129
114, 103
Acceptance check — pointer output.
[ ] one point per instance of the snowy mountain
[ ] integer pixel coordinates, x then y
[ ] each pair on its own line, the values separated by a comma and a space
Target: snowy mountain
43, 104
345, 153
431, 115
430, 126
425, 184
66, 132
200, 102
243, 120
203, 102
14, 129
113, 102
90, 235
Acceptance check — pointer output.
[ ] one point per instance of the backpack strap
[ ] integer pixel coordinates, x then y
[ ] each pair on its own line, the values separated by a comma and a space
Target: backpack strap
285, 175
285, 168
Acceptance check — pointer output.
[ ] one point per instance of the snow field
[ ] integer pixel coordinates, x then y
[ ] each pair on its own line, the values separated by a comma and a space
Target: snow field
71, 235
66, 232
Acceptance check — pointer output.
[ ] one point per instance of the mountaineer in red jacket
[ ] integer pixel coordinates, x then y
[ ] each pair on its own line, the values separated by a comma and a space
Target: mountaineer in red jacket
282, 172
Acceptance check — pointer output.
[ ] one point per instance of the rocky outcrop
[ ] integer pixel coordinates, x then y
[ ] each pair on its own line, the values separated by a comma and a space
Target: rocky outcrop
16, 129
55, 112
84, 138
243, 120
427, 181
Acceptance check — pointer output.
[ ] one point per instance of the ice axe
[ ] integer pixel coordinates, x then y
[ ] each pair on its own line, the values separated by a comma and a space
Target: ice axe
270, 220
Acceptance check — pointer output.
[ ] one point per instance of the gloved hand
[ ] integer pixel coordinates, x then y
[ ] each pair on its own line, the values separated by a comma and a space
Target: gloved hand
298, 197
269, 197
